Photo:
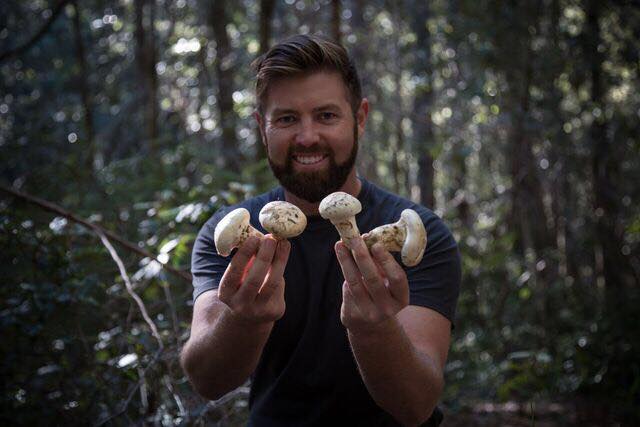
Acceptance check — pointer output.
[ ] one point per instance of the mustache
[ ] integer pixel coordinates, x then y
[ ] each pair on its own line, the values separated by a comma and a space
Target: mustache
312, 149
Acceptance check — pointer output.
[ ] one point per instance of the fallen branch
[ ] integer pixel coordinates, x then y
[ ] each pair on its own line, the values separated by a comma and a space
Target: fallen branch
51, 207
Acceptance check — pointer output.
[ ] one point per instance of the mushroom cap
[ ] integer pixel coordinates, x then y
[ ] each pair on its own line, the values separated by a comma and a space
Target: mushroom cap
339, 206
229, 230
416, 240
282, 219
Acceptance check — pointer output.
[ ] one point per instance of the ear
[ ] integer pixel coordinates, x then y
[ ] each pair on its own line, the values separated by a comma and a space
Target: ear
361, 115
260, 121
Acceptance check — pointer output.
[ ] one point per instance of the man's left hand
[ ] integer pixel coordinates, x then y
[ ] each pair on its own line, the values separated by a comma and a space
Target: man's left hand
375, 288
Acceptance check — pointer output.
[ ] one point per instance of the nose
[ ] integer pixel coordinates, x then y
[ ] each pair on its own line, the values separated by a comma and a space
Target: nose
307, 134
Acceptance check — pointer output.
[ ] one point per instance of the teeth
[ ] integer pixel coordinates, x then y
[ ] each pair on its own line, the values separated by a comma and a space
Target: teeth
308, 160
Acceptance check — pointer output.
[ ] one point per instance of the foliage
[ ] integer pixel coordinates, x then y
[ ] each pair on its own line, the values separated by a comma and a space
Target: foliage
533, 108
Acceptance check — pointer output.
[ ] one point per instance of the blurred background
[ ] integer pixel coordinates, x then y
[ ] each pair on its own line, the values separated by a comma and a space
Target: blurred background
125, 124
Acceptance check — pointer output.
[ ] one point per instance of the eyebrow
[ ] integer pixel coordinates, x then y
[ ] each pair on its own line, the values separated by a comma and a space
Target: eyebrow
329, 106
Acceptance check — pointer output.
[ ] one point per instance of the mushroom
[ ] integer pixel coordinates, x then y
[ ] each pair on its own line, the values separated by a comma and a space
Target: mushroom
407, 236
341, 208
282, 219
233, 230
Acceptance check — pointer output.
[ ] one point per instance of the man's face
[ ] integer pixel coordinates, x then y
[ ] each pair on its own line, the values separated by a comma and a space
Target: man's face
311, 134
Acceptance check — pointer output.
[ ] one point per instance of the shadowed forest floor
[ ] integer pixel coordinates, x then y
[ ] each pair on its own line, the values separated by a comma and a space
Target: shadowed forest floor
522, 414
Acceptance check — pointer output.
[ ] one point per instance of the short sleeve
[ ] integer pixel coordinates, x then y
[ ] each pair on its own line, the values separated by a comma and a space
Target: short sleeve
435, 282
207, 266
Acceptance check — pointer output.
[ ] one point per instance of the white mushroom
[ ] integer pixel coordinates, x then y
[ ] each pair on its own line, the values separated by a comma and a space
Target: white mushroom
233, 230
341, 208
407, 236
282, 219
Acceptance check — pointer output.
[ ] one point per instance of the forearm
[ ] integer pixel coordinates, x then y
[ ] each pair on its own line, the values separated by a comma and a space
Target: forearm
219, 358
403, 381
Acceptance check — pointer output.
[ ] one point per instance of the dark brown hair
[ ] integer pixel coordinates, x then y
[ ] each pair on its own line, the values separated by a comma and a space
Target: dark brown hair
305, 54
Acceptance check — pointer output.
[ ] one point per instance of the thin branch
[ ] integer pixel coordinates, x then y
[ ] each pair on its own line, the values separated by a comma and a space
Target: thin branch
57, 9
131, 392
169, 385
51, 207
129, 285
172, 309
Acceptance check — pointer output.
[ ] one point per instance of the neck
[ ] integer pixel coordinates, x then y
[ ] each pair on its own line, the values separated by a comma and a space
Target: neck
351, 186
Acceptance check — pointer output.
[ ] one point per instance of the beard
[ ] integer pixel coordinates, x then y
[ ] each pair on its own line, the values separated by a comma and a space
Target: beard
315, 186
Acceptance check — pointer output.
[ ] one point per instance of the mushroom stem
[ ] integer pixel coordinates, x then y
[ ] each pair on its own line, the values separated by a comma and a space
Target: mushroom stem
347, 228
408, 236
247, 232
341, 209
233, 230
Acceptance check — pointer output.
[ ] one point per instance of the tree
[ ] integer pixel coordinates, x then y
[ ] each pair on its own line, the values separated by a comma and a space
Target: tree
423, 136
146, 62
225, 70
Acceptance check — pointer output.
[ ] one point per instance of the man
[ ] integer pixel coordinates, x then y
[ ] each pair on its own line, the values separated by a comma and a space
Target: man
330, 336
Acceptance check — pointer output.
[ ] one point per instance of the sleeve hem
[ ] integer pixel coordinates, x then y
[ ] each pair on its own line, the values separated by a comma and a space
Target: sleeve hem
421, 302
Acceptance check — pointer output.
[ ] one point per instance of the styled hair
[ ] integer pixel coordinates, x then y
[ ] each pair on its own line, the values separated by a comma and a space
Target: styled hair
302, 55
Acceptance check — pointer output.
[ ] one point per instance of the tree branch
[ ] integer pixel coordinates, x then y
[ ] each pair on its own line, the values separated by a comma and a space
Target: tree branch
129, 285
57, 9
51, 207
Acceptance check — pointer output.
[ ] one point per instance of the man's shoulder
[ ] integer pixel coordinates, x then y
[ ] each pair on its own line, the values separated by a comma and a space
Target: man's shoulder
388, 206
391, 204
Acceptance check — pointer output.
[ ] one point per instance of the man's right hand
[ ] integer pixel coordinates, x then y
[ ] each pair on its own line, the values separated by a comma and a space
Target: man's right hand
253, 284
231, 326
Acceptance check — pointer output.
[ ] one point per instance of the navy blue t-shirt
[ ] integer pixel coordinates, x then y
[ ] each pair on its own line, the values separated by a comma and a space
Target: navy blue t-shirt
307, 375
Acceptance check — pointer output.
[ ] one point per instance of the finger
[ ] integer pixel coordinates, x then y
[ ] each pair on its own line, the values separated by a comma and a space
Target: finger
397, 278
258, 271
347, 264
372, 278
352, 276
275, 275
349, 308
235, 271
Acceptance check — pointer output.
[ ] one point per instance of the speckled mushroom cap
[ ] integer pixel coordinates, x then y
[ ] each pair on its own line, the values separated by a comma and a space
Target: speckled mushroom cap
230, 231
416, 240
282, 219
338, 206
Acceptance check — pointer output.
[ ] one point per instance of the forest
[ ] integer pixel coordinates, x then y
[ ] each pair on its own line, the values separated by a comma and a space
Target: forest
125, 124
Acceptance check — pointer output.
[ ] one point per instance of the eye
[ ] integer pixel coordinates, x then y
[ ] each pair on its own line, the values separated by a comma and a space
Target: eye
285, 120
327, 116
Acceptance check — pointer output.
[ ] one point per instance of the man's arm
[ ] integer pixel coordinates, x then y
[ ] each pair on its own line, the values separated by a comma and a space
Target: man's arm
231, 326
402, 361
400, 349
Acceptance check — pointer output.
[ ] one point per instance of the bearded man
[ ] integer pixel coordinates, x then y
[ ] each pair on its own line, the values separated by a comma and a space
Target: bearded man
328, 335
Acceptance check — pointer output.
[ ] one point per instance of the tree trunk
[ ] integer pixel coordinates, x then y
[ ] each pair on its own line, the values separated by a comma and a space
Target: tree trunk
146, 60
423, 134
224, 65
613, 267
336, 12
399, 171
367, 159
266, 18
528, 216
83, 89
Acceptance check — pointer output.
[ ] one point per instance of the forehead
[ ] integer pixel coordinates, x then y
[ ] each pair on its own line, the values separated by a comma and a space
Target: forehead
307, 91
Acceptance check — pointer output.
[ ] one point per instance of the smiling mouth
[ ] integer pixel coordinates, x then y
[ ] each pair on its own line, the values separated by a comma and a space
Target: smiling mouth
308, 159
